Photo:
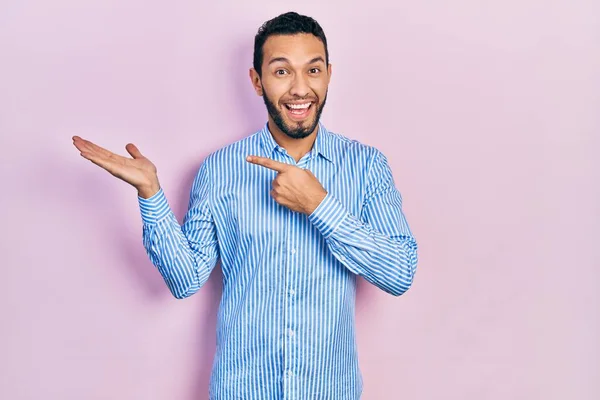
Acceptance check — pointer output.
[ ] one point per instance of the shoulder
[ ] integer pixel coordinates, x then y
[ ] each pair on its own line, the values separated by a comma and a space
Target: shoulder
234, 152
345, 147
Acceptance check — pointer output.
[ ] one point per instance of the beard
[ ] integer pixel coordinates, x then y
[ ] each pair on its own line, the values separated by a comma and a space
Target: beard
295, 130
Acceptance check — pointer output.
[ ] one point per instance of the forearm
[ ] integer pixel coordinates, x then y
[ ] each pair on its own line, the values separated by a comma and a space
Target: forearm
170, 252
387, 261
183, 267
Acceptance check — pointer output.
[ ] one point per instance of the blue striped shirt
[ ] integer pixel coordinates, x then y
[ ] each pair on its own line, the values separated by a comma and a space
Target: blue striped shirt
286, 322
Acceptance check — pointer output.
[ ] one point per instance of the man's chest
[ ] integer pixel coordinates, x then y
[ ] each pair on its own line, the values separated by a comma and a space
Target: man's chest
245, 210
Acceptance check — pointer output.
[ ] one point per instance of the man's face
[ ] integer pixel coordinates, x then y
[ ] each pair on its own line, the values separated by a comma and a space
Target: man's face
294, 82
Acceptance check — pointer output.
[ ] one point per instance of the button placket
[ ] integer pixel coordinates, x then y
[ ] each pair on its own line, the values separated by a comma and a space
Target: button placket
290, 352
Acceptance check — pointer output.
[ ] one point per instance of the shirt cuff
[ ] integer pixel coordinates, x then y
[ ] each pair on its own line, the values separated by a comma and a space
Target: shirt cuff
328, 215
154, 208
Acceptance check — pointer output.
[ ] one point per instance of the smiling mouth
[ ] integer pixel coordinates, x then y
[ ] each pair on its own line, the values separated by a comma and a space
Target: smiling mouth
298, 110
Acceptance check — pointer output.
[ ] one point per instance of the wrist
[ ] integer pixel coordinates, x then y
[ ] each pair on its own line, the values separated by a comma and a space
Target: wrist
313, 206
146, 192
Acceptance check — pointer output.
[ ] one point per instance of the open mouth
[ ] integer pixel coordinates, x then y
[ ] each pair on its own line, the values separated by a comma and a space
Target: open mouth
298, 111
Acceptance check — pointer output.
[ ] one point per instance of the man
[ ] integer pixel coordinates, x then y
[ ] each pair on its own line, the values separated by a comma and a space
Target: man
295, 213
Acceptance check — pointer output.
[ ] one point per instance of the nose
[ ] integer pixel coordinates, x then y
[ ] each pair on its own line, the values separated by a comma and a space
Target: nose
299, 86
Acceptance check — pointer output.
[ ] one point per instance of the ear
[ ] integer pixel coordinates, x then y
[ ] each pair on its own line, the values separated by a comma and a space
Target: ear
256, 83
329, 73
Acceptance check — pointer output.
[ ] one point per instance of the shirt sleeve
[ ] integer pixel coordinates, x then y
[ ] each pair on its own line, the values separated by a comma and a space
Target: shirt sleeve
379, 245
184, 254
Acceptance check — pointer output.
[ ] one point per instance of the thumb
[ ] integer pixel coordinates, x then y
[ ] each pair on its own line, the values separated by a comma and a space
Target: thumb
134, 151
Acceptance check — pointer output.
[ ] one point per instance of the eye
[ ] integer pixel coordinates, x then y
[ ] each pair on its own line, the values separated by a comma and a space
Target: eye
314, 70
281, 72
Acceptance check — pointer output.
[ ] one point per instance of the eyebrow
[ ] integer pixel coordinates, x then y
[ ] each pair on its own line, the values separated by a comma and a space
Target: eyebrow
283, 59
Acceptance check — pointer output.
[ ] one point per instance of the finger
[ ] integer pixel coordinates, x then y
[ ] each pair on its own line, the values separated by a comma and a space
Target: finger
134, 151
99, 149
100, 161
268, 163
275, 196
83, 144
80, 144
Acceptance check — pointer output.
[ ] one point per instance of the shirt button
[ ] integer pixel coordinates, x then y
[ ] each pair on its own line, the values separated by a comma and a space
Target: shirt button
290, 373
292, 292
293, 251
291, 332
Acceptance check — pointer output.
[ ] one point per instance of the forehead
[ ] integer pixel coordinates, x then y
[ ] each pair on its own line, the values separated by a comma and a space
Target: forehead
299, 47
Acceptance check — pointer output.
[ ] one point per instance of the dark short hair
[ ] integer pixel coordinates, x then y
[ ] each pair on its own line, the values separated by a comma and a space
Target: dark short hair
290, 23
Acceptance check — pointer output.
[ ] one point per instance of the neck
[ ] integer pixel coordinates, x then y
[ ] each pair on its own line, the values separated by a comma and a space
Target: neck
296, 148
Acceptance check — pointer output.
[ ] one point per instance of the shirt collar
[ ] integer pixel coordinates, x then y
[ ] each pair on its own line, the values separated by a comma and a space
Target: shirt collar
323, 142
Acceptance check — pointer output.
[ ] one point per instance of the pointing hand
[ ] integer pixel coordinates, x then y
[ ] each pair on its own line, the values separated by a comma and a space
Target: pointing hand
296, 188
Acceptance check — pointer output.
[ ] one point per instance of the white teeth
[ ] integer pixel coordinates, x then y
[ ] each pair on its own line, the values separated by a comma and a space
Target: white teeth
298, 106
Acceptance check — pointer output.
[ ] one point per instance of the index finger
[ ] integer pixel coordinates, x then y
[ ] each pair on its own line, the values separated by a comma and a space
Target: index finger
268, 163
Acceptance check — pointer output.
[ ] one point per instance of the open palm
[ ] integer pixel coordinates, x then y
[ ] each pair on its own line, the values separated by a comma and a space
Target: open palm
137, 171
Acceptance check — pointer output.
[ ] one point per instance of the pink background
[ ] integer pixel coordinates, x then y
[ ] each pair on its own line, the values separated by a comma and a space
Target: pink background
488, 112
